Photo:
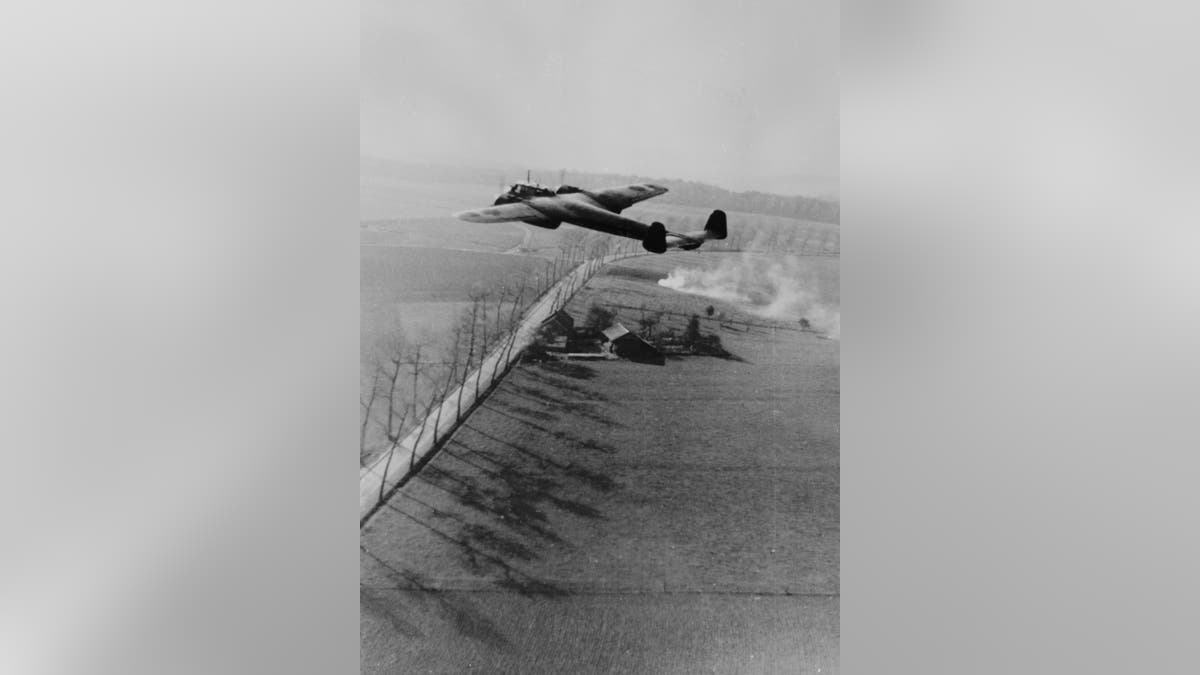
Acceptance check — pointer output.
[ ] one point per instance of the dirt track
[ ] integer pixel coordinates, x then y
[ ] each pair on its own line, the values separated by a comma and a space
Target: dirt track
617, 517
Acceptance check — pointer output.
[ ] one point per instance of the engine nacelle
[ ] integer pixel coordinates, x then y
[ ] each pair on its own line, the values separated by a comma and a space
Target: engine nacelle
656, 239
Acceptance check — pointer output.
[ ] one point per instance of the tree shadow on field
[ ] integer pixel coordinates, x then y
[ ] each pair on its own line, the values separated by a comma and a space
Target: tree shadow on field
494, 502
530, 412
481, 535
557, 434
498, 503
595, 480
409, 595
557, 381
520, 497
533, 395
577, 371
474, 543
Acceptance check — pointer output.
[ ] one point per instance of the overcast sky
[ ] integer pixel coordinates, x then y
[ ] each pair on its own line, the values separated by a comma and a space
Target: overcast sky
740, 94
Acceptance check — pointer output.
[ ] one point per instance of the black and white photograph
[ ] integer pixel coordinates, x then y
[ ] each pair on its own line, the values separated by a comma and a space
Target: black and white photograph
600, 337
571, 277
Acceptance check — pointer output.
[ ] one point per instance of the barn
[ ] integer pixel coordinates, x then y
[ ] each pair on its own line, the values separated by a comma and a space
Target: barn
559, 323
621, 342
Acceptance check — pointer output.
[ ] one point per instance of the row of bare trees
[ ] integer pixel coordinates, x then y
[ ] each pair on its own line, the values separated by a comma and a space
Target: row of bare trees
415, 383
412, 378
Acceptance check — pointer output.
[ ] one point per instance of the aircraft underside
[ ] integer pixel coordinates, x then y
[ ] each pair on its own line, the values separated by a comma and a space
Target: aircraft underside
543, 222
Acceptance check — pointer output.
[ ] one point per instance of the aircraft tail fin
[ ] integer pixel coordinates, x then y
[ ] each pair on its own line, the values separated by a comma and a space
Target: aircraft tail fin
656, 238
715, 227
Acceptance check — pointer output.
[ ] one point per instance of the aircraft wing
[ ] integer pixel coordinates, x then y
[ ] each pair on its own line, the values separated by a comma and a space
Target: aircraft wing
620, 198
500, 214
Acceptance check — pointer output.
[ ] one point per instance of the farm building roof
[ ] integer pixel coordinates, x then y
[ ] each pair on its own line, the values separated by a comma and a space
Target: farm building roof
560, 319
615, 331
629, 346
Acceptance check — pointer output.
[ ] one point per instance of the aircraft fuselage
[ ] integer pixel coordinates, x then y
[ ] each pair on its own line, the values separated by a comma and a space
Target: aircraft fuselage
584, 210
598, 210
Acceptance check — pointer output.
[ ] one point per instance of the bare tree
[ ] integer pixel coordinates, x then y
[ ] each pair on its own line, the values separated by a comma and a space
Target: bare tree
453, 362
434, 398
484, 343
554, 303
501, 296
572, 243
391, 395
515, 316
577, 250
648, 322
397, 408
417, 370
388, 463
366, 420
471, 324
546, 279
497, 330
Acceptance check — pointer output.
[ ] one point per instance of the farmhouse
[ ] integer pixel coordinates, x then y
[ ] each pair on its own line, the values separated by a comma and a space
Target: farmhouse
559, 323
619, 341
561, 335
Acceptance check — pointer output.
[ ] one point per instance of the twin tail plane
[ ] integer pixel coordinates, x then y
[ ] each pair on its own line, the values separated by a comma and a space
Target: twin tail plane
598, 210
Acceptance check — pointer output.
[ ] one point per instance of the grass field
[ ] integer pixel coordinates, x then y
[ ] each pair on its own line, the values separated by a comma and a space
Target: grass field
384, 197
443, 233
620, 517
419, 292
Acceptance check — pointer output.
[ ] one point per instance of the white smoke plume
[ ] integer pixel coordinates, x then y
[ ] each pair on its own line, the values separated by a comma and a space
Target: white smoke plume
782, 289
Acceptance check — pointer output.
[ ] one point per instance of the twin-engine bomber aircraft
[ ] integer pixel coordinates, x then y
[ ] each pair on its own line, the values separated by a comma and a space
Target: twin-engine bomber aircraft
599, 210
